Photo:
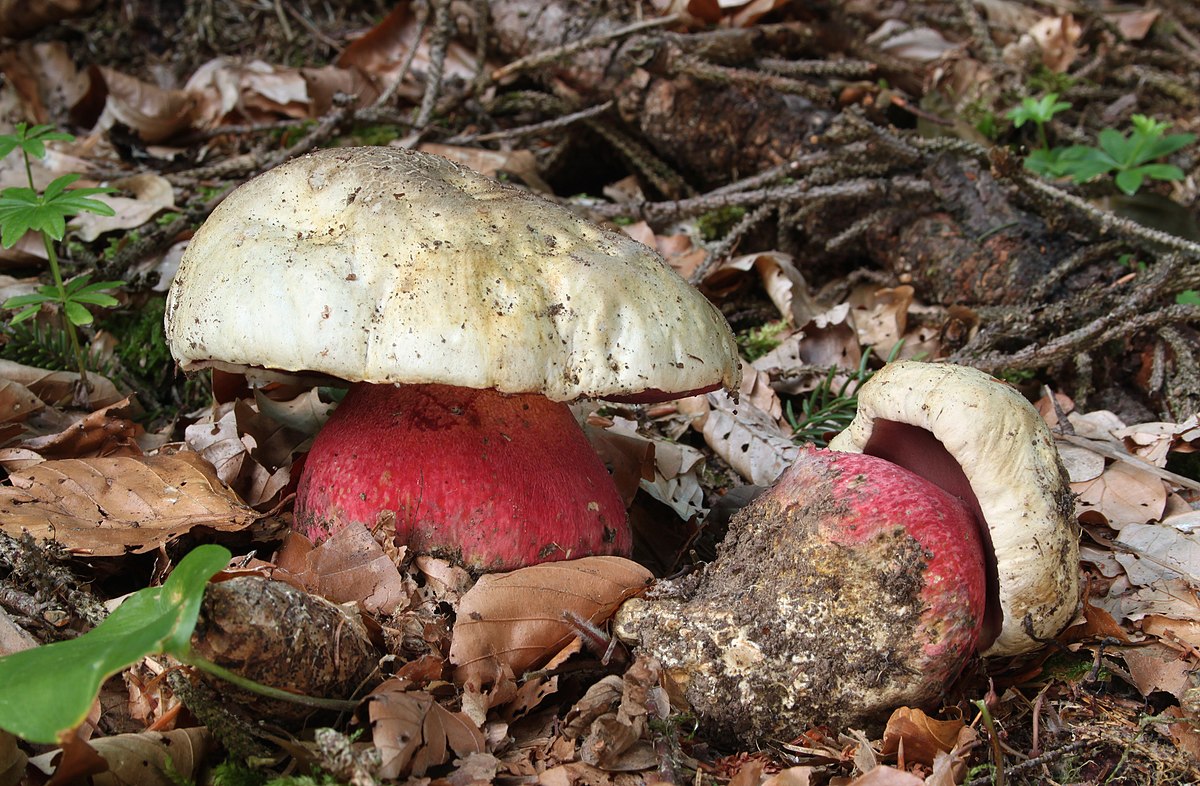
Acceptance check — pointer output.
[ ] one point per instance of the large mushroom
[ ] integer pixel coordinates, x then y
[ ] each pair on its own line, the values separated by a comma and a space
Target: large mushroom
860, 583
464, 313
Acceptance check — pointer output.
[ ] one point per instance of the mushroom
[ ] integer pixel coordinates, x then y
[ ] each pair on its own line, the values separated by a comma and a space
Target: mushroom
464, 314
860, 583
979, 439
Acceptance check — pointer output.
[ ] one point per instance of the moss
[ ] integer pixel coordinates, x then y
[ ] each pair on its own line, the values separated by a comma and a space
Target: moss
758, 341
141, 344
715, 224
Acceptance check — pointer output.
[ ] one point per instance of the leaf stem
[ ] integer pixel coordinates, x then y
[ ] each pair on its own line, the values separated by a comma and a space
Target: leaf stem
265, 690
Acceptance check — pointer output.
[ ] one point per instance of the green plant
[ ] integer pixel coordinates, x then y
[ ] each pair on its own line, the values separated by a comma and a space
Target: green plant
49, 690
1130, 156
1038, 111
1188, 297
25, 209
758, 341
827, 410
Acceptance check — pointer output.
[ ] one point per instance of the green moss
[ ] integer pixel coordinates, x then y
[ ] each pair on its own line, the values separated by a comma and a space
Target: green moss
715, 224
758, 341
375, 134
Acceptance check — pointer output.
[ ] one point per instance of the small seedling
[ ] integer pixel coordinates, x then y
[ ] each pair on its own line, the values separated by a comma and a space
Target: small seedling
49, 690
1038, 111
25, 209
1130, 157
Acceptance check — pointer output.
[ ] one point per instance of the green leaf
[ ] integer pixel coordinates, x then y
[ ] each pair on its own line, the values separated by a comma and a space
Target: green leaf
48, 690
1162, 146
95, 298
1118, 146
24, 315
1162, 171
59, 185
1188, 297
1084, 163
17, 301
101, 286
1130, 180
77, 313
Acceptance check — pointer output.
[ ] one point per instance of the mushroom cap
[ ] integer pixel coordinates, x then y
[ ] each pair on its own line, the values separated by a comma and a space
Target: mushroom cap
386, 265
1007, 454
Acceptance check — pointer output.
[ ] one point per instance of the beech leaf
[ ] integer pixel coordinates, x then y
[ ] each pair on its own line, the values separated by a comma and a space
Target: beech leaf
517, 619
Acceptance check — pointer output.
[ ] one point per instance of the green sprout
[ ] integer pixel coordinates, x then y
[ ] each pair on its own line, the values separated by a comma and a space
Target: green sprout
1038, 111
25, 209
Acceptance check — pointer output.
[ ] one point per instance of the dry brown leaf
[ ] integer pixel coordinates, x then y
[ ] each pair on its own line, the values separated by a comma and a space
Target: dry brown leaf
1057, 38
154, 113
923, 737
600, 699
780, 277
674, 469
1150, 553
109, 506
1155, 441
350, 567
414, 732
749, 439
629, 456
617, 741
381, 53
1185, 632
152, 194
881, 317
829, 340
920, 44
17, 402
1156, 667
886, 776
1134, 25
106, 432
229, 89
57, 388
1122, 495
516, 619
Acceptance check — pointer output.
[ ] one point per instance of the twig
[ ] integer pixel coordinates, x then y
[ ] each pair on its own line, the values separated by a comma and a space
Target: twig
533, 128
538, 59
439, 43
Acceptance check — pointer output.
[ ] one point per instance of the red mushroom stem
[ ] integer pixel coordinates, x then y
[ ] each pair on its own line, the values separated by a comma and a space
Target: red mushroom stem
492, 481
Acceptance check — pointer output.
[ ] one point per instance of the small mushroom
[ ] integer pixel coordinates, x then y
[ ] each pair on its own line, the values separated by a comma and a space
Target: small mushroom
860, 583
982, 441
464, 313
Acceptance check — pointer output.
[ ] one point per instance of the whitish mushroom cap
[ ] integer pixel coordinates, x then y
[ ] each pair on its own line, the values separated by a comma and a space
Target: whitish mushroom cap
1008, 456
389, 265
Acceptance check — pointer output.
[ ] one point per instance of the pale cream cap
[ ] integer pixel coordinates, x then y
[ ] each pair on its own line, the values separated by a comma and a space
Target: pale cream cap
388, 265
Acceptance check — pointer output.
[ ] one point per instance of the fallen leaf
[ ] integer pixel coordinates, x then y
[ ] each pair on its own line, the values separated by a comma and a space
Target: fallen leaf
1134, 25
1151, 553
57, 388
152, 194
923, 737
109, 506
107, 432
1123, 494
413, 732
154, 113
516, 619
1156, 667
17, 402
350, 567
749, 439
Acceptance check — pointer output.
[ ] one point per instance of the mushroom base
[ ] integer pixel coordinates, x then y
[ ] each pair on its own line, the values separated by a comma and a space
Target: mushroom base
491, 481
848, 589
